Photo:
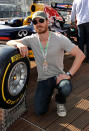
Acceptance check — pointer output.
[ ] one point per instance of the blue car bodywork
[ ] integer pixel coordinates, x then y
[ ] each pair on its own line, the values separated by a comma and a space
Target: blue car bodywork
9, 31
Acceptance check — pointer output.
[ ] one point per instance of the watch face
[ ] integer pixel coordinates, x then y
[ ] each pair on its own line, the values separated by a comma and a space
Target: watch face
68, 73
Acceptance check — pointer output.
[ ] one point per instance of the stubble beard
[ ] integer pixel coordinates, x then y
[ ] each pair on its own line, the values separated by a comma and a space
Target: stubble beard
42, 31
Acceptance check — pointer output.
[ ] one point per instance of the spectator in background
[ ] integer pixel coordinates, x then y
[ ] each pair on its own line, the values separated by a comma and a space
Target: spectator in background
80, 13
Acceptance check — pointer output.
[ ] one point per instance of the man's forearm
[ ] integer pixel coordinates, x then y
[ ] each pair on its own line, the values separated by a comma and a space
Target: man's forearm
77, 63
13, 42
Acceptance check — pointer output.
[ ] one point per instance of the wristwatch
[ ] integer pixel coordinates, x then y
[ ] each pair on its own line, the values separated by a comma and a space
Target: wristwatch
69, 74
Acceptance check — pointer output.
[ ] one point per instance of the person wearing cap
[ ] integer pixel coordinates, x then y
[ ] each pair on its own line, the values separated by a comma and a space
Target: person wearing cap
80, 17
48, 48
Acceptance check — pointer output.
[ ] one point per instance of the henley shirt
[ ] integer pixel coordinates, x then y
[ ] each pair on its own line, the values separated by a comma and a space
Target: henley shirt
57, 44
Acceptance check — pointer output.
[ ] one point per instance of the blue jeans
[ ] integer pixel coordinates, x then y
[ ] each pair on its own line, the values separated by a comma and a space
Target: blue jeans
44, 93
83, 37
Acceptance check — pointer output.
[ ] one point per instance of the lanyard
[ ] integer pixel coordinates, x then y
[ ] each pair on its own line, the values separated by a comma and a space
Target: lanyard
44, 52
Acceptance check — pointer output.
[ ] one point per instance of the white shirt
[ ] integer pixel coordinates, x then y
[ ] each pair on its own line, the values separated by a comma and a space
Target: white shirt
80, 11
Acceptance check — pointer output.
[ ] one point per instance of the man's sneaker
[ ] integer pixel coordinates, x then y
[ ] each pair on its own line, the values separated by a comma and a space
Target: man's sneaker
61, 110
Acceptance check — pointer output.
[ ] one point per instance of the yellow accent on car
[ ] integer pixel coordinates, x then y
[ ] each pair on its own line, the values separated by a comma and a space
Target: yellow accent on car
3, 80
13, 102
27, 20
16, 57
30, 54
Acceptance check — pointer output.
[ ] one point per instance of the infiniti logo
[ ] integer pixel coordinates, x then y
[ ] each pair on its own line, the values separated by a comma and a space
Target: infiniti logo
22, 33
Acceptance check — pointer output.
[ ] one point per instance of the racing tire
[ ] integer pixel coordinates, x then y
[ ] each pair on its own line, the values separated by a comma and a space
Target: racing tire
14, 78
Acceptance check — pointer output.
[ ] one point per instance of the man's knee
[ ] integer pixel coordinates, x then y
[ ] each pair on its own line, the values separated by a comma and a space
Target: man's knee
65, 87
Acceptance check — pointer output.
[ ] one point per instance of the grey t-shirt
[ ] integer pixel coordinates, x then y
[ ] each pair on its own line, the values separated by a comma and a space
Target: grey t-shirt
58, 43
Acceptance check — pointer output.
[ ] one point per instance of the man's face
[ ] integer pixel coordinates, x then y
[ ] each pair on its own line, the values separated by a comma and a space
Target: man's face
40, 25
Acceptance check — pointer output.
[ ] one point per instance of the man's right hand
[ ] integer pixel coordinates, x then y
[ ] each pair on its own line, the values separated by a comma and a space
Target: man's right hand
23, 49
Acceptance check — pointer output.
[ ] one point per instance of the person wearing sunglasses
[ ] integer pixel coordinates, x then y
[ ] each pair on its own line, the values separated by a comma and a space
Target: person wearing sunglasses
48, 48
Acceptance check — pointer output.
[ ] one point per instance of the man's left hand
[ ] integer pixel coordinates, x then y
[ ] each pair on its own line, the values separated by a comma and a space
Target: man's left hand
62, 77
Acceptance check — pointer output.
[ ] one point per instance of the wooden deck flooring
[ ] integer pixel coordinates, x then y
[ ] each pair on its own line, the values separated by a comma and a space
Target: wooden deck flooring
77, 106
